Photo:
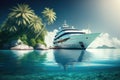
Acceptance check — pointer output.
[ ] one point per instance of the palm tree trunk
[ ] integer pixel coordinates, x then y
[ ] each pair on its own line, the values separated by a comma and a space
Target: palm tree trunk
40, 31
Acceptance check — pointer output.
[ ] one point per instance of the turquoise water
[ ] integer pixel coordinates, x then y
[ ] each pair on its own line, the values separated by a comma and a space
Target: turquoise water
58, 62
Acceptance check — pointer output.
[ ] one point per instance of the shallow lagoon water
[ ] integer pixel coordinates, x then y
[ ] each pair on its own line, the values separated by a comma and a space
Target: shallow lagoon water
60, 64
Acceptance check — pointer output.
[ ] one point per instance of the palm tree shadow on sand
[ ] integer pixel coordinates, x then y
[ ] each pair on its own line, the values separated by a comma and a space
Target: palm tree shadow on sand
67, 58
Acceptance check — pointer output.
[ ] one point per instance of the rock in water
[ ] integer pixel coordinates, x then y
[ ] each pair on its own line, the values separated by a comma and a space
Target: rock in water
22, 47
18, 45
16, 42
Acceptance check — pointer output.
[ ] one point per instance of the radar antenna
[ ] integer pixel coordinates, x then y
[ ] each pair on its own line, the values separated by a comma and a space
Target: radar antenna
65, 24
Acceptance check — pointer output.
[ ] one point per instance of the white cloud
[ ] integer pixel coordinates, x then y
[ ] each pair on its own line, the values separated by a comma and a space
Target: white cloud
106, 39
86, 30
50, 37
116, 42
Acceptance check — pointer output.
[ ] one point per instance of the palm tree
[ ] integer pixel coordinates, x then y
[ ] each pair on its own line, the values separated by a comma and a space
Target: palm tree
41, 32
22, 20
19, 19
50, 15
36, 24
21, 14
8, 26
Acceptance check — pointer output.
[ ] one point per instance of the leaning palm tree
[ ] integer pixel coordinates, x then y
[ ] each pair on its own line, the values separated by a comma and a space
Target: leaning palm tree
36, 24
41, 32
50, 15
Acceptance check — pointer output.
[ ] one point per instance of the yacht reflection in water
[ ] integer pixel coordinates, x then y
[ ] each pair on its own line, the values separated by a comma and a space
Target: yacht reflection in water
67, 57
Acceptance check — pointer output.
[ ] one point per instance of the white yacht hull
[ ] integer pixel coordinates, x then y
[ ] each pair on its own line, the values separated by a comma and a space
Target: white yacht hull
76, 41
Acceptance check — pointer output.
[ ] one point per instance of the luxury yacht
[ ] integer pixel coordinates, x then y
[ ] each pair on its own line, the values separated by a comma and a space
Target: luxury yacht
71, 38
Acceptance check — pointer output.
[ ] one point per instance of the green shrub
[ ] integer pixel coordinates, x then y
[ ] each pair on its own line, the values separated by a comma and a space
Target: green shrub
24, 39
32, 42
40, 41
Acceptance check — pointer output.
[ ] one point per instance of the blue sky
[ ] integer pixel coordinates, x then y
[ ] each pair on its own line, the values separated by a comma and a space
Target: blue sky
102, 15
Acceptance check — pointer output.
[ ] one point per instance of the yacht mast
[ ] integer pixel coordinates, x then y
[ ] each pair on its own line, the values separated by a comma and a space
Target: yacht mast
65, 24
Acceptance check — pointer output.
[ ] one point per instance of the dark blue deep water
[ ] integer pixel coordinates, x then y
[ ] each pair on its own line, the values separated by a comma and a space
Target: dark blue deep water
61, 64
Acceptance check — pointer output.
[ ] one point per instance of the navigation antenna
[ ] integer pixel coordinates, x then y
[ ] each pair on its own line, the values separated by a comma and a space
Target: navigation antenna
65, 24
88, 28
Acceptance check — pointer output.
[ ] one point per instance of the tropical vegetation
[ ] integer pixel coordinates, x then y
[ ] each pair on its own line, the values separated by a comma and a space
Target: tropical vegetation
22, 23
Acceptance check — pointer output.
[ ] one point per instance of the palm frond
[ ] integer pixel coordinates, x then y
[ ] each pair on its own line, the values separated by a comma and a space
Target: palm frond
23, 13
50, 15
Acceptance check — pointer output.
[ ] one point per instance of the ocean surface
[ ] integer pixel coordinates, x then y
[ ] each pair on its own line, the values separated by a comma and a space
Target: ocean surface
60, 64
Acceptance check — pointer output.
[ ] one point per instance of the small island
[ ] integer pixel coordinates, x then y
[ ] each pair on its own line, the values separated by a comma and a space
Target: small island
105, 47
23, 29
